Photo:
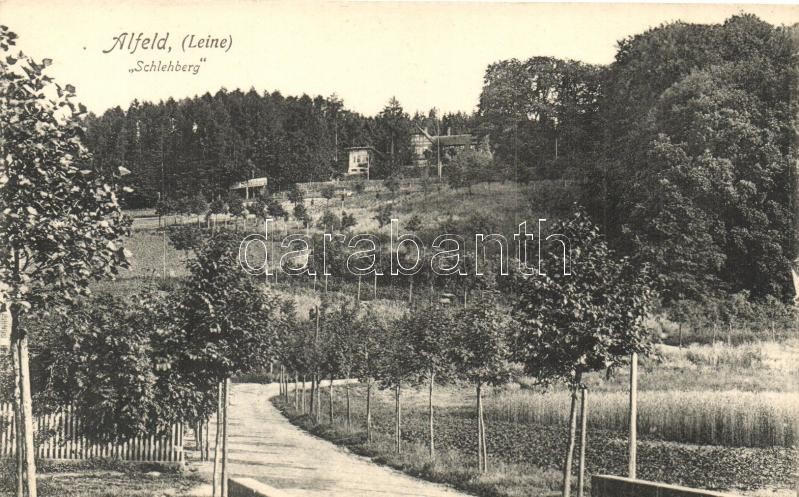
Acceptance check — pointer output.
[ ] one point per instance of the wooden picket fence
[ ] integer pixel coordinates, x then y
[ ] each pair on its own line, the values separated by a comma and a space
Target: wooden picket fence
57, 437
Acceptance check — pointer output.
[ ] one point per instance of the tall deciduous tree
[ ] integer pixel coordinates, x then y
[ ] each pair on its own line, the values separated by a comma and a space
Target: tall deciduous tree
699, 159
541, 114
60, 221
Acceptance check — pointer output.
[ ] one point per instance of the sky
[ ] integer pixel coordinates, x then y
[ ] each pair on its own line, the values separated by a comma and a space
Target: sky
427, 54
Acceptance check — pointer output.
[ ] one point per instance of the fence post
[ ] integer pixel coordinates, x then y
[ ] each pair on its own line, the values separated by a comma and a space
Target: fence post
633, 441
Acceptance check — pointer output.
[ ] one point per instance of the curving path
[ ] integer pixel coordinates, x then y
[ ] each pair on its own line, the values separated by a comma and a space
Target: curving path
263, 445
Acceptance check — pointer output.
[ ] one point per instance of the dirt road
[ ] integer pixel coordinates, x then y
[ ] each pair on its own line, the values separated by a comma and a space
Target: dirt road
266, 447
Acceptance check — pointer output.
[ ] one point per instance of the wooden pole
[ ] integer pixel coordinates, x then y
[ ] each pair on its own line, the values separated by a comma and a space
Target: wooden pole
369, 412
483, 437
19, 429
567, 469
633, 438
21, 342
283, 382
349, 412
225, 436
296, 392
430, 411
318, 398
583, 437
302, 397
220, 400
316, 374
330, 393
198, 435
207, 439
164, 251
312, 404
399, 420
479, 430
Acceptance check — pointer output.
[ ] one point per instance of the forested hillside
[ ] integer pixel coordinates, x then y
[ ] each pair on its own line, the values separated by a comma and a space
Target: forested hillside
682, 145
205, 144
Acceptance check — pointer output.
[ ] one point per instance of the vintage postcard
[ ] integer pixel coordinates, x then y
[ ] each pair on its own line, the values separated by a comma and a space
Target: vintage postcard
398, 248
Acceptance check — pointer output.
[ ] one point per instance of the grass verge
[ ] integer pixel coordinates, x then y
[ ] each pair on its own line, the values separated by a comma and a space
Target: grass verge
103, 478
451, 466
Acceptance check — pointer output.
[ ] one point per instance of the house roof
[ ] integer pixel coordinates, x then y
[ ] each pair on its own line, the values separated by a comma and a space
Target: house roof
250, 183
446, 140
454, 140
366, 147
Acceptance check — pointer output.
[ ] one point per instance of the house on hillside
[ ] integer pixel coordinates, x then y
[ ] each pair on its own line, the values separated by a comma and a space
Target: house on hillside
250, 188
427, 148
360, 161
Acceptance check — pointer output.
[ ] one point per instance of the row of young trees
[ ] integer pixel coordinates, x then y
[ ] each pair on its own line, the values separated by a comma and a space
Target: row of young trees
349, 341
556, 328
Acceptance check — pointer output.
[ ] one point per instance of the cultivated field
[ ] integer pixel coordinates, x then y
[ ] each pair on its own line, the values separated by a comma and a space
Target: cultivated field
526, 437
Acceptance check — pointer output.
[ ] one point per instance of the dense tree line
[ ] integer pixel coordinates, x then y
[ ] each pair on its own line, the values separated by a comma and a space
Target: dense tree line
541, 115
177, 149
683, 146
696, 168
